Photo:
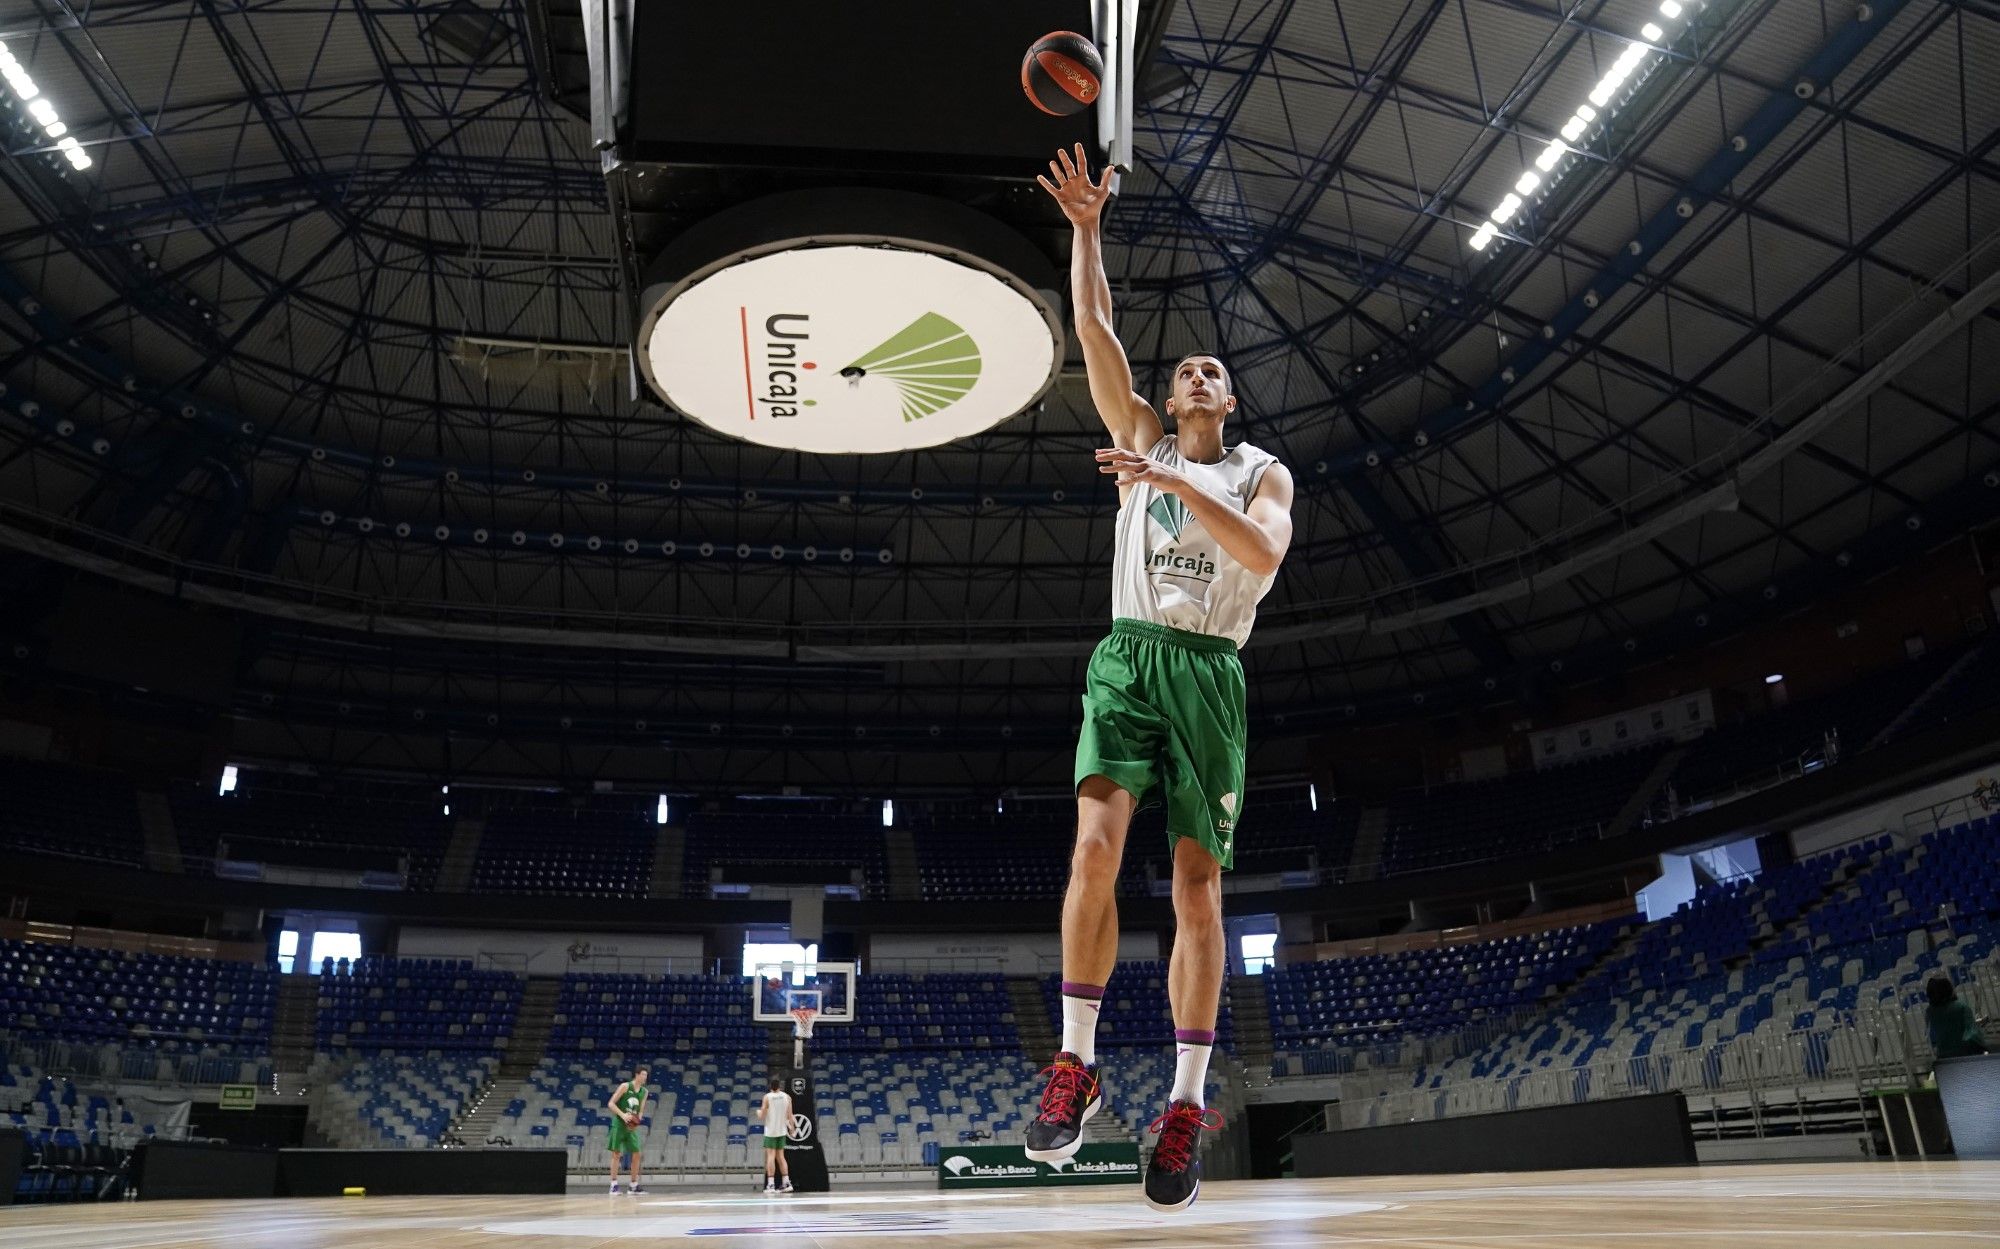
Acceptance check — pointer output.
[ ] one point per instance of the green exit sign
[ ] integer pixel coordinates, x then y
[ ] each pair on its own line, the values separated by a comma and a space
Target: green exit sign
239, 1097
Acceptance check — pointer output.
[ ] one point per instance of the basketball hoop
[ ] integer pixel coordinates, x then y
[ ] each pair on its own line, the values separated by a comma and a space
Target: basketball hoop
802, 1021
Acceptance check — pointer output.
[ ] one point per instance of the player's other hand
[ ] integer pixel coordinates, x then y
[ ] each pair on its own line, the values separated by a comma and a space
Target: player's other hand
631, 1121
1080, 199
1132, 469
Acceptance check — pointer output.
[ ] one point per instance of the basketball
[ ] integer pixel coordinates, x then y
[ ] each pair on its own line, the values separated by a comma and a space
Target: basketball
1062, 73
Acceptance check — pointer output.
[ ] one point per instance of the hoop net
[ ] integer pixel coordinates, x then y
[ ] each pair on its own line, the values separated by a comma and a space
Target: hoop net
802, 1021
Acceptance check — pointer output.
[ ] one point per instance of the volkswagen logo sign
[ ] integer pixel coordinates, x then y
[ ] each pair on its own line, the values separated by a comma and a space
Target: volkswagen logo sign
801, 1129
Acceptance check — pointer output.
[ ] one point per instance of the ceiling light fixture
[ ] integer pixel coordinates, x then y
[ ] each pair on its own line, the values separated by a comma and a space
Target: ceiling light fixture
1579, 122
40, 108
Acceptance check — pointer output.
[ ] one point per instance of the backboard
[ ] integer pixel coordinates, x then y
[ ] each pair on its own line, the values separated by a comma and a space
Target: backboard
772, 986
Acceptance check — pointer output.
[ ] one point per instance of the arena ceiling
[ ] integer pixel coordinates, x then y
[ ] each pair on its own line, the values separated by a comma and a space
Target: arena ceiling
329, 330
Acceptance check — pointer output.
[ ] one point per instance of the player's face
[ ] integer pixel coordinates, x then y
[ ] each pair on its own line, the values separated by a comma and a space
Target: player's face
638, 1077
1201, 388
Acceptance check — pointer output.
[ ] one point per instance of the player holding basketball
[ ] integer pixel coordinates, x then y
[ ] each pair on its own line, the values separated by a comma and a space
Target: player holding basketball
627, 1105
1201, 531
775, 1108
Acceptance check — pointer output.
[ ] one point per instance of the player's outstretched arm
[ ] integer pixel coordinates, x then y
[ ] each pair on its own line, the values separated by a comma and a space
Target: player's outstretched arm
1130, 420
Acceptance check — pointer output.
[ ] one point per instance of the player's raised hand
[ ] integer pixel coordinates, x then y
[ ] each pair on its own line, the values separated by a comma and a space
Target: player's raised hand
1080, 199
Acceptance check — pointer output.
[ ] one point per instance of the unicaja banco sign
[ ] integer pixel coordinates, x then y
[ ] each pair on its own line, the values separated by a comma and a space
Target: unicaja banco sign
843, 349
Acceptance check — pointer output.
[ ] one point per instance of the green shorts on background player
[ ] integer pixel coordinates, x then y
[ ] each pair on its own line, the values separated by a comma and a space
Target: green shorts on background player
627, 1105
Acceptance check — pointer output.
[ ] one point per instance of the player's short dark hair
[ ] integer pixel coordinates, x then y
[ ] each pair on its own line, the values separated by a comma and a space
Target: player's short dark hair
642, 1069
1938, 989
776, 1083
1228, 379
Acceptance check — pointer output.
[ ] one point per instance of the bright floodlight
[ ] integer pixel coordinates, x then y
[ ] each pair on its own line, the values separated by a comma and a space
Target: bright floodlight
1774, 678
660, 811
228, 785
888, 812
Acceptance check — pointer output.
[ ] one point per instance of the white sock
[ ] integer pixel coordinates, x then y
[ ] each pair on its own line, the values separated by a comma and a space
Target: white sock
1080, 1027
1190, 1073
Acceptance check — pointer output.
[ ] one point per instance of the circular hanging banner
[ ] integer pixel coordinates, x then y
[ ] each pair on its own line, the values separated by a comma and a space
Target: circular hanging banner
845, 349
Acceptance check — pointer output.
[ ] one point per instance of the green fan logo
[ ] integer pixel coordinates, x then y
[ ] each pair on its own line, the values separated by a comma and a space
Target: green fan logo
932, 362
1170, 513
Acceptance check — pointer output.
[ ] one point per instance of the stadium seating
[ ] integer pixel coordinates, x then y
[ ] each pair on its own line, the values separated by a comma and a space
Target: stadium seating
1522, 813
1759, 749
1803, 947
792, 844
415, 1005
1426, 992
276, 819
549, 845
1971, 685
395, 1101
78, 1138
1290, 836
939, 1011
80, 813
1020, 855
165, 1017
605, 1014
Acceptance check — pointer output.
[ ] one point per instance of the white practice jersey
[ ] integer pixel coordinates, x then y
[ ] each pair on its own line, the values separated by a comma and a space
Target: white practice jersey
1167, 569
777, 1114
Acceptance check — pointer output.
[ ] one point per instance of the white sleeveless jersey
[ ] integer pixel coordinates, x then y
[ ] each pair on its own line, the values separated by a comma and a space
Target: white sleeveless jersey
777, 1114
1165, 567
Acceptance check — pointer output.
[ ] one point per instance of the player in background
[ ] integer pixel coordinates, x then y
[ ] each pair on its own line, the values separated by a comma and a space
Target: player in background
627, 1105
775, 1109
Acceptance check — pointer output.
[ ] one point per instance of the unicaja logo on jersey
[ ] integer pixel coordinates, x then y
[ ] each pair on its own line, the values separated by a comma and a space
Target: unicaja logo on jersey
1172, 516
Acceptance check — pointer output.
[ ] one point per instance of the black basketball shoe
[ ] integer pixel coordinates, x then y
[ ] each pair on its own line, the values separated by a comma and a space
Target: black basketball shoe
1072, 1096
1173, 1175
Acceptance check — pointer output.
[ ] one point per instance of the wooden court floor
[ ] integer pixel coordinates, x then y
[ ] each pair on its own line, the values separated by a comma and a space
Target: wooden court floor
1849, 1204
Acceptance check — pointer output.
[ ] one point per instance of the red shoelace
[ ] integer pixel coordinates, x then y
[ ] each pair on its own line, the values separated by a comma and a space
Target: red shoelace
1179, 1128
1068, 1084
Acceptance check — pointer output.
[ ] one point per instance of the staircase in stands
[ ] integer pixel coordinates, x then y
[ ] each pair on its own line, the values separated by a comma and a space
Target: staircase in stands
295, 1027
156, 822
526, 1047
460, 854
1252, 1012
906, 882
1370, 833
669, 862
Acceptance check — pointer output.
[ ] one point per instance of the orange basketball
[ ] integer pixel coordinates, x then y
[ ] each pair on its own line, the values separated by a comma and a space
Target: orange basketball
1062, 73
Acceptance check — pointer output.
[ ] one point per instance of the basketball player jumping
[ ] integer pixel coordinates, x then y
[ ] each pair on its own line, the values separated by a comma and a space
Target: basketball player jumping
627, 1105
775, 1108
1201, 531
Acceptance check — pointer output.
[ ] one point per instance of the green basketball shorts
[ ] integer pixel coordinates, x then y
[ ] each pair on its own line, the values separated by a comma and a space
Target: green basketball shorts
623, 1140
1164, 706
773, 1142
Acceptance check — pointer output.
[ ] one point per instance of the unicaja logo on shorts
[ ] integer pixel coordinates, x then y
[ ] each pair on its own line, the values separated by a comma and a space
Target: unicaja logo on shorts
1228, 804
